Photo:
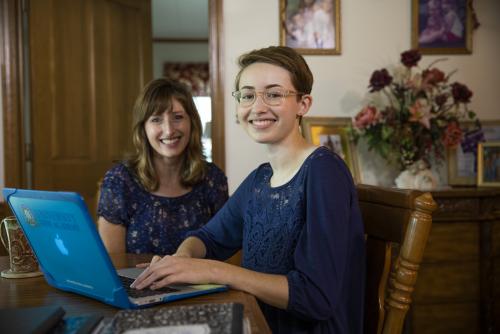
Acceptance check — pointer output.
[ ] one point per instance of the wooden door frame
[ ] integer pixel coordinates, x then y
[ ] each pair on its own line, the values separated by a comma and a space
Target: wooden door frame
12, 88
216, 51
12, 92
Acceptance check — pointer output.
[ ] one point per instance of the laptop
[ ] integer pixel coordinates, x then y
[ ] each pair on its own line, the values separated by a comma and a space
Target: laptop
72, 256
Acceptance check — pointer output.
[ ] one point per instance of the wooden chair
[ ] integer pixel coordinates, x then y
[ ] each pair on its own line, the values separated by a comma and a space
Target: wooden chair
397, 225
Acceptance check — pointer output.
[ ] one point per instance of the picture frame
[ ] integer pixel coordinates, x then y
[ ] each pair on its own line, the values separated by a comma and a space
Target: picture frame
462, 166
333, 132
488, 164
442, 26
311, 27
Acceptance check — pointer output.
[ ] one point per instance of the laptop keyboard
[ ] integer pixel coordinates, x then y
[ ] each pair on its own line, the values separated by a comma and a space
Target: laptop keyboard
134, 293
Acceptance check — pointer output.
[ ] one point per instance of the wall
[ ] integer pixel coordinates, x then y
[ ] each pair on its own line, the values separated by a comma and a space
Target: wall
373, 34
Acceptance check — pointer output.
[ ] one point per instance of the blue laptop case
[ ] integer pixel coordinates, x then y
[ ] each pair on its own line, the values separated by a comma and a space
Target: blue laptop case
69, 249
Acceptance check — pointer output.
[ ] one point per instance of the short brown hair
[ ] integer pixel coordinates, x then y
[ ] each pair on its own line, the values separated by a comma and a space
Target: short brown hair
284, 57
155, 98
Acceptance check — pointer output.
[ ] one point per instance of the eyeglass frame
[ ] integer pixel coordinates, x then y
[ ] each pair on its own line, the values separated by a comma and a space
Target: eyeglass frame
286, 93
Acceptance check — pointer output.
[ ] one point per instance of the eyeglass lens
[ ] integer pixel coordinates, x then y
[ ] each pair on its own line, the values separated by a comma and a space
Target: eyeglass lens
272, 96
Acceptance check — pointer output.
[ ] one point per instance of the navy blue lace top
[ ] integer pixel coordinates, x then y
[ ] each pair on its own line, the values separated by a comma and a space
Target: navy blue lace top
310, 230
157, 224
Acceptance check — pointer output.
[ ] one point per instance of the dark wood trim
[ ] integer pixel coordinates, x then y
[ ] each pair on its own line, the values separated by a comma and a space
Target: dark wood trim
179, 40
216, 61
12, 83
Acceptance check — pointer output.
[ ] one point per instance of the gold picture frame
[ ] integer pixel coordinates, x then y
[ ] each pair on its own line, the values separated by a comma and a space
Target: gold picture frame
333, 133
442, 27
488, 164
462, 166
310, 27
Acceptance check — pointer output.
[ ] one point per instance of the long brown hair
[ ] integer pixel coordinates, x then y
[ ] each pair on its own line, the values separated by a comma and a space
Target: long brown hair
156, 98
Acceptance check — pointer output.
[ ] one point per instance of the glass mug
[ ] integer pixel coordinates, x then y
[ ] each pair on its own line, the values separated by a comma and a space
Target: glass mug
23, 262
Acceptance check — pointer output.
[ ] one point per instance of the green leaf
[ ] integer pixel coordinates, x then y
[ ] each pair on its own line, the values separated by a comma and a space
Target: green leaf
387, 132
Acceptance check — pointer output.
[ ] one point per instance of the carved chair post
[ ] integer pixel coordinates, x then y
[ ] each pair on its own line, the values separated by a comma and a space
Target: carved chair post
405, 269
397, 224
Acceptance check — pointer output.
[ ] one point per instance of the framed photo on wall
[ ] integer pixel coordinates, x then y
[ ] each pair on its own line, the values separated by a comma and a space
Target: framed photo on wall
310, 26
442, 26
462, 165
488, 164
332, 132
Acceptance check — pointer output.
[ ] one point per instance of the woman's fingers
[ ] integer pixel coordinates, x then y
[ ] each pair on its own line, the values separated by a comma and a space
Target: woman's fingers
154, 259
140, 281
170, 269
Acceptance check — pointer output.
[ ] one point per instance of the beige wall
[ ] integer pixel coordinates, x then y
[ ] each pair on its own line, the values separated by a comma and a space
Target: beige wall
373, 34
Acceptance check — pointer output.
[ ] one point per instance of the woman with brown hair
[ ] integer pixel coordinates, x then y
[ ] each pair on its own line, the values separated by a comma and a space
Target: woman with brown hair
149, 202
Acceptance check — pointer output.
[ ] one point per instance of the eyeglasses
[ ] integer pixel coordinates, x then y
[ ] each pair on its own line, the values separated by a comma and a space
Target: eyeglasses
272, 96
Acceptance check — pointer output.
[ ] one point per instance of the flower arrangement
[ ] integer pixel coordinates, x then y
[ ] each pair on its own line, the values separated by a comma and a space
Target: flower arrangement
413, 113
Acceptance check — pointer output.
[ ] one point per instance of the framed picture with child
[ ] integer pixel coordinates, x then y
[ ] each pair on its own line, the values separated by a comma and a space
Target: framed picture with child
332, 132
442, 26
310, 26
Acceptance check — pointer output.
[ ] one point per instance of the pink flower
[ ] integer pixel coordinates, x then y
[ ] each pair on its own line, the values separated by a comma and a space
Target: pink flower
433, 76
366, 117
421, 112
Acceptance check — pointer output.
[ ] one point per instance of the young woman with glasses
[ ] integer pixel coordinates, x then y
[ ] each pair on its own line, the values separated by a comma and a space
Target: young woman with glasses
295, 218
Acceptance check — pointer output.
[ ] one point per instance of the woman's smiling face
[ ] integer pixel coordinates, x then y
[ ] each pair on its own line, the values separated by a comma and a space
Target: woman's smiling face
168, 133
264, 123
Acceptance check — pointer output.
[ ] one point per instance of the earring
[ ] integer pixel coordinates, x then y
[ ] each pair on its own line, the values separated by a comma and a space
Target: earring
237, 119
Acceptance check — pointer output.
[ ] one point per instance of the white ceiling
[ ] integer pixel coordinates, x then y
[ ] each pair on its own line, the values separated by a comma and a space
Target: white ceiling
180, 18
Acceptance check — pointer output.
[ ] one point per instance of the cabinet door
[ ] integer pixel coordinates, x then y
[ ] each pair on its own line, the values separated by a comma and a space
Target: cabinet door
89, 60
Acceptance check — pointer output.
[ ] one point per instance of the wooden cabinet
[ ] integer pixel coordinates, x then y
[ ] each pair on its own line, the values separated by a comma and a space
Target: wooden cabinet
458, 285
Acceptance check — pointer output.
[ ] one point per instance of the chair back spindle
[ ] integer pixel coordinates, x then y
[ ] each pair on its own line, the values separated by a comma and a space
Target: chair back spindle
397, 225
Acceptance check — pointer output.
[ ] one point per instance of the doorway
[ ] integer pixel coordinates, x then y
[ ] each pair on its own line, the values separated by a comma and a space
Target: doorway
181, 52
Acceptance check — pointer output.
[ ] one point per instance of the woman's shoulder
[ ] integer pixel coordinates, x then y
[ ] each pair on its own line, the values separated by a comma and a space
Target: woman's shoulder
324, 159
119, 168
261, 174
214, 173
213, 169
120, 171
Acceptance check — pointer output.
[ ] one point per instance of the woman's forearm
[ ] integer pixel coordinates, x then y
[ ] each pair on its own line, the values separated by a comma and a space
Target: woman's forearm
112, 235
192, 247
269, 288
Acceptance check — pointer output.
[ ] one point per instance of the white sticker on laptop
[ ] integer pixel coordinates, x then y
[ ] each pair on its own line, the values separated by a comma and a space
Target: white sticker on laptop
183, 329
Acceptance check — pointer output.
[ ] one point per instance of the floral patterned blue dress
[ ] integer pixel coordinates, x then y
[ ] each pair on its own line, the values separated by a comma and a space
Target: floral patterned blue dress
157, 224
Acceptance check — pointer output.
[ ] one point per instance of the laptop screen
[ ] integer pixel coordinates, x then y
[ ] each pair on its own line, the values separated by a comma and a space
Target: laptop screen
65, 241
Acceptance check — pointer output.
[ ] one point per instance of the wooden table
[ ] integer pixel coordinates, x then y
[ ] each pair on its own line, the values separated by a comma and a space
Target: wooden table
28, 292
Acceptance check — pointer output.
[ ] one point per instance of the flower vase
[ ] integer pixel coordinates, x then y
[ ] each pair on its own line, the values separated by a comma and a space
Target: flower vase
417, 176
